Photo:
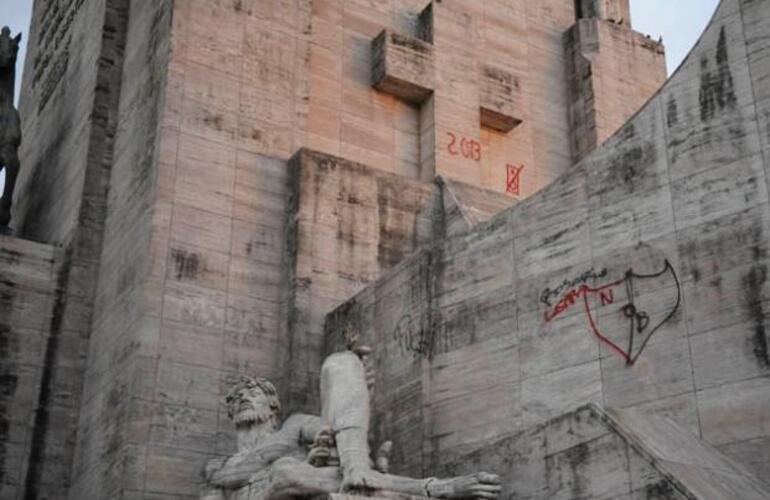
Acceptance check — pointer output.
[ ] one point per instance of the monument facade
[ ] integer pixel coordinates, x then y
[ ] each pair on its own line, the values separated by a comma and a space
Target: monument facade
221, 188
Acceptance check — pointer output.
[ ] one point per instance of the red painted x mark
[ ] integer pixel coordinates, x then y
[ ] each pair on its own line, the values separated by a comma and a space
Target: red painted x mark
513, 182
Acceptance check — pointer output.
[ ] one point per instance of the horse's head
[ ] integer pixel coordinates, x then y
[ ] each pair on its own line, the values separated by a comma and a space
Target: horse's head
9, 48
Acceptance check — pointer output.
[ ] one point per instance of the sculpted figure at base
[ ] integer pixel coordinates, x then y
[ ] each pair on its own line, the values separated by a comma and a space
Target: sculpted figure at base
10, 125
273, 461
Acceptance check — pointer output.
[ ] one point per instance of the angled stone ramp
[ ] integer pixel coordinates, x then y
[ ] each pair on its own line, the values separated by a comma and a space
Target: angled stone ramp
467, 206
592, 453
689, 464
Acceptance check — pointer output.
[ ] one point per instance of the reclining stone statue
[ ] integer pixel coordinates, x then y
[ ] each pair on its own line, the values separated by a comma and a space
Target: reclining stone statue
273, 462
10, 126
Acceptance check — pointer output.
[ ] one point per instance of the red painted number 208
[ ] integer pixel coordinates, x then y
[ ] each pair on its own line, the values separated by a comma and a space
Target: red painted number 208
468, 148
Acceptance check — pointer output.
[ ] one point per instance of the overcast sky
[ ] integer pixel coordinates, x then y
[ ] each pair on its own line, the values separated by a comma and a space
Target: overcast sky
679, 22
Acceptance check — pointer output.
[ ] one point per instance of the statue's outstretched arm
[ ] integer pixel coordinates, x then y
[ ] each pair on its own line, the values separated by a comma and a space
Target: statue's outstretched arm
237, 471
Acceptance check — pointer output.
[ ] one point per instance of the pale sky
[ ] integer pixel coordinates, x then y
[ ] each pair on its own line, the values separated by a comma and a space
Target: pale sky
680, 22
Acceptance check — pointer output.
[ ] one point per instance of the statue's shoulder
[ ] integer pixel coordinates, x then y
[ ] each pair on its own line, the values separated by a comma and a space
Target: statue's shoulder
300, 420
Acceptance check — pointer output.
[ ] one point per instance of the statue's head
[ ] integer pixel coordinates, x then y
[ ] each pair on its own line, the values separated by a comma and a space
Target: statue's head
253, 400
9, 47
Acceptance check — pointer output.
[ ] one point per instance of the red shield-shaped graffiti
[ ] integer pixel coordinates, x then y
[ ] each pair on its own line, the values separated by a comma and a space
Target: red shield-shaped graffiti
627, 313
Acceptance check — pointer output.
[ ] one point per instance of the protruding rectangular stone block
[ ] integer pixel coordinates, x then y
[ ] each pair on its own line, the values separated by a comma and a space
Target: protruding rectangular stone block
501, 99
403, 66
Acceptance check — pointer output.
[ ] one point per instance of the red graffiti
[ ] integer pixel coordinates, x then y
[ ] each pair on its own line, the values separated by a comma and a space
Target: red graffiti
571, 298
606, 294
607, 297
513, 181
468, 148
642, 324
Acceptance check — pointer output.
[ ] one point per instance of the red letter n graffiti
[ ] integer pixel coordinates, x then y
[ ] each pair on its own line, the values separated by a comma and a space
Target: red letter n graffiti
513, 182
607, 296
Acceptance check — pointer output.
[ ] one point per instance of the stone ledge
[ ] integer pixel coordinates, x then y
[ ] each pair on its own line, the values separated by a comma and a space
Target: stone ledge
403, 66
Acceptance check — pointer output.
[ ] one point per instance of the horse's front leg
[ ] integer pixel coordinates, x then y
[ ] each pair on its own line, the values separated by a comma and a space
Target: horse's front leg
10, 159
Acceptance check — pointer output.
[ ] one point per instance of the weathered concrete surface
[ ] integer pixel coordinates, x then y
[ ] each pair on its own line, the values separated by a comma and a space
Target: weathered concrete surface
403, 66
162, 162
662, 234
69, 111
28, 313
612, 71
590, 453
348, 223
467, 206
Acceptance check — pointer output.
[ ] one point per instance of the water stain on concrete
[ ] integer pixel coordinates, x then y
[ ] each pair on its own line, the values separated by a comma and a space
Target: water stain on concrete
753, 283
717, 90
187, 265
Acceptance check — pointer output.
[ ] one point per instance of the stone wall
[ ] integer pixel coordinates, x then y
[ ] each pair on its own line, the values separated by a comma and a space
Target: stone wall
28, 314
108, 460
348, 223
69, 119
612, 72
636, 280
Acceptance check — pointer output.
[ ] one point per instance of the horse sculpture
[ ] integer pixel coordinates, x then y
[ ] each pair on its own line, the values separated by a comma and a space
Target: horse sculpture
10, 125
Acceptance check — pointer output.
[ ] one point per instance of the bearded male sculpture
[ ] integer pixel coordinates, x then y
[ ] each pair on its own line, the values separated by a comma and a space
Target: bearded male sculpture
273, 462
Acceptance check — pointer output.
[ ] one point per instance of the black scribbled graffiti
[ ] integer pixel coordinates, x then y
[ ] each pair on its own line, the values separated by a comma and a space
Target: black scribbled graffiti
415, 336
640, 321
551, 293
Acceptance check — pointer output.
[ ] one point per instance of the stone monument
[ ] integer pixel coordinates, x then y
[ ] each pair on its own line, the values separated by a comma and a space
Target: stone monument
272, 460
10, 125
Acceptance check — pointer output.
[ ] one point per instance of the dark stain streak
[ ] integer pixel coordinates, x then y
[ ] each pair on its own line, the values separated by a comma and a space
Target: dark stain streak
214, 121
717, 91
662, 490
577, 456
753, 284
186, 264
42, 419
672, 112
554, 237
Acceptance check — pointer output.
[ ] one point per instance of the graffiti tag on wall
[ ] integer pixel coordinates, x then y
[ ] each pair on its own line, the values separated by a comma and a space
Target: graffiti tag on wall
465, 147
618, 297
551, 293
415, 335
513, 179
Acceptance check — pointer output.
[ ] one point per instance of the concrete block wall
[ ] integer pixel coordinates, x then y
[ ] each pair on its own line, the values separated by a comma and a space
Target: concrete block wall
348, 223
190, 291
612, 72
118, 354
350, 119
661, 232
162, 166
29, 276
69, 118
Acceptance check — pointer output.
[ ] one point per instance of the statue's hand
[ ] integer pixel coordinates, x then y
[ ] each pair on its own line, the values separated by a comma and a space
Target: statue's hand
383, 457
364, 353
212, 467
322, 451
479, 486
